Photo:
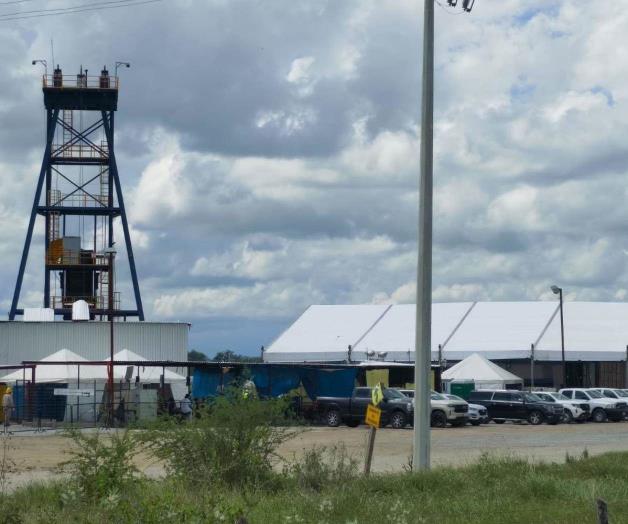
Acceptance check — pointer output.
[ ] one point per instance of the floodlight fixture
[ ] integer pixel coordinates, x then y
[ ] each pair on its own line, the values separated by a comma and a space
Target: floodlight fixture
556, 290
42, 62
124, 64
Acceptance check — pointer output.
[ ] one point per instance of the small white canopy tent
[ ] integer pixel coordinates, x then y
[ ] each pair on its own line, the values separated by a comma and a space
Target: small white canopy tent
61, 373
87, 378
149, 374
482, 371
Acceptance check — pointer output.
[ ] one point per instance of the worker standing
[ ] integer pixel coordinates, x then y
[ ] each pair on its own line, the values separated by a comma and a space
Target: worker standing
7, 406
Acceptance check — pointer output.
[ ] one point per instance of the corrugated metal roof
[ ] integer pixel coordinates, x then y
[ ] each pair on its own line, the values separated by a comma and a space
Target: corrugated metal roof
35, 340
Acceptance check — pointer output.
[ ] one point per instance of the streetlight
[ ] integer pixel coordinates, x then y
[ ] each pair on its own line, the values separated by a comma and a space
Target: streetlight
118, 64
111, 252
559, 291
422, 359
42, 62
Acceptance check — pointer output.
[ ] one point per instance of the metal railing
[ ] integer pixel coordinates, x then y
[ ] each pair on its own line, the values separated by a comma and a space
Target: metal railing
83, 151
95, 301
75, 258
80, 81
78, 199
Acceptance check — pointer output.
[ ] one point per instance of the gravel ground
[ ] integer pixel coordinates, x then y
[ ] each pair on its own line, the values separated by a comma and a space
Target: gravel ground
37, 455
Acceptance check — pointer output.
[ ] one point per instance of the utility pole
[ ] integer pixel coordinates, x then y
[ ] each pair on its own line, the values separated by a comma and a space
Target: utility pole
422, 358
111, 252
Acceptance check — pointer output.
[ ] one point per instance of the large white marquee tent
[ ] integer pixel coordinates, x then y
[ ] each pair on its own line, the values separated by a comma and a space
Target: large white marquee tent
594, 331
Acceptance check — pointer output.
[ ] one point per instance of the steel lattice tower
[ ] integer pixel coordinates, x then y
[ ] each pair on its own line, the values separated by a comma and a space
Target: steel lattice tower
81, 198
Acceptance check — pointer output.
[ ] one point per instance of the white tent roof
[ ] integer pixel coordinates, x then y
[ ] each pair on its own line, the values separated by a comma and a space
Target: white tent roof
501, 330
324, 333
395, 331
481, 370
594, 331
150, 374
61, 372
70, 372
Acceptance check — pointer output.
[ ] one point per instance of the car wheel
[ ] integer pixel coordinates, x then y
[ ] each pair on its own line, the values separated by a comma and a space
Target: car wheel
498, 421
398, 420
353, 423
333, 418
567, 417
599, 415
535, 418
439, 419
475, 422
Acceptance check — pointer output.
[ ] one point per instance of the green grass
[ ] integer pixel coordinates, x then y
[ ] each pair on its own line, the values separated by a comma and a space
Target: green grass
491, 491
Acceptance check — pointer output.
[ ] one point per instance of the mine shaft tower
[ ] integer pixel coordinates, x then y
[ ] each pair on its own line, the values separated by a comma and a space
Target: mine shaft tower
81, 198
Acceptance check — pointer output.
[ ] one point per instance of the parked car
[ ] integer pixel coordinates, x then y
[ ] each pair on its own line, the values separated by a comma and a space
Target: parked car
476, 415
444, 410
615, 393
602, 408
574, 411
505, 405
397, 409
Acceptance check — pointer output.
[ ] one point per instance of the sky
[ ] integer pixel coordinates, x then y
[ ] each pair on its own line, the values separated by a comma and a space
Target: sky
269, 152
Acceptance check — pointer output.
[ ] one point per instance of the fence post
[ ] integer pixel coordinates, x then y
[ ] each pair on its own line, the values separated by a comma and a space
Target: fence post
602, 512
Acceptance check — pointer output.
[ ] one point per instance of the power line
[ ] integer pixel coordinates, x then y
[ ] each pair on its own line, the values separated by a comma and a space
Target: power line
39, 13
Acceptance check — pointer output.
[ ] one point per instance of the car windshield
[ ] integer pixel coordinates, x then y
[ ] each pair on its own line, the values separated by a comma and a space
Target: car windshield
594, 394
621, 393
531, 397
559, 396
393, 394
545, 396
453, 397
437, 396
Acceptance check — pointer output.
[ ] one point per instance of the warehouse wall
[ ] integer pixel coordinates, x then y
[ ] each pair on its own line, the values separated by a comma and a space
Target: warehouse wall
35, 340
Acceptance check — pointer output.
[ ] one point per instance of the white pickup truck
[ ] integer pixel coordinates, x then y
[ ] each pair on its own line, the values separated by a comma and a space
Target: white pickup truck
574, 410
602, 408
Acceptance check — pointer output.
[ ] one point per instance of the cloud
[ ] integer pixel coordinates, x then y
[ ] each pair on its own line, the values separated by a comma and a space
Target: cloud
269, 153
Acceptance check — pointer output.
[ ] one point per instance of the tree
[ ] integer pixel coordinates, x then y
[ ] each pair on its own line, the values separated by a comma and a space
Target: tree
197, 356
230, 356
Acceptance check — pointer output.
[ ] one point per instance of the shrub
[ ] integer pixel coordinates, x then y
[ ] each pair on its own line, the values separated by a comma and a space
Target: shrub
101, 467
322, 467
232, 442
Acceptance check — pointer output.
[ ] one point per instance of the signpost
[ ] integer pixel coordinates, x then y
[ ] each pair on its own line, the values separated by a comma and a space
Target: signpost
64, 392
373, 419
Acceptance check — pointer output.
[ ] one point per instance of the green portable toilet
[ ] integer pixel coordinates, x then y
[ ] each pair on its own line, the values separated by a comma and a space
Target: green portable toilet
462, 389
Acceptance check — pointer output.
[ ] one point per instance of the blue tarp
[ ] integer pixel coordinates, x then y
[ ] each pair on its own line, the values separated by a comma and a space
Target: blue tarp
329, 382
210, 383
274, 380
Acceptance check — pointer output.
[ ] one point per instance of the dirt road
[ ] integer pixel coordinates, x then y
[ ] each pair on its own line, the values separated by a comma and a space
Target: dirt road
36, 456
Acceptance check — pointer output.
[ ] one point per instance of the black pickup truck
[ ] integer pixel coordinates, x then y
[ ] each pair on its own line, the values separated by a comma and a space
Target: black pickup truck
397, 409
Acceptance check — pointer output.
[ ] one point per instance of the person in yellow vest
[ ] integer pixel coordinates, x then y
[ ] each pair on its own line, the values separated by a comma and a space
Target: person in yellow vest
7, 406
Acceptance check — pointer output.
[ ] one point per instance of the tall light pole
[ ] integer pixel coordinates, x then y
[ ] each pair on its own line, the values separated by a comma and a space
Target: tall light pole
559, 291
422, 358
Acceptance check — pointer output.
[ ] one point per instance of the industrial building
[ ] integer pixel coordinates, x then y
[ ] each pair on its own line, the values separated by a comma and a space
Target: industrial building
523, 337
21, 341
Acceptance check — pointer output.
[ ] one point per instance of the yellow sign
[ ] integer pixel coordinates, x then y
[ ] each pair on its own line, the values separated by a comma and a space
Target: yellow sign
377, 395
373, 416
